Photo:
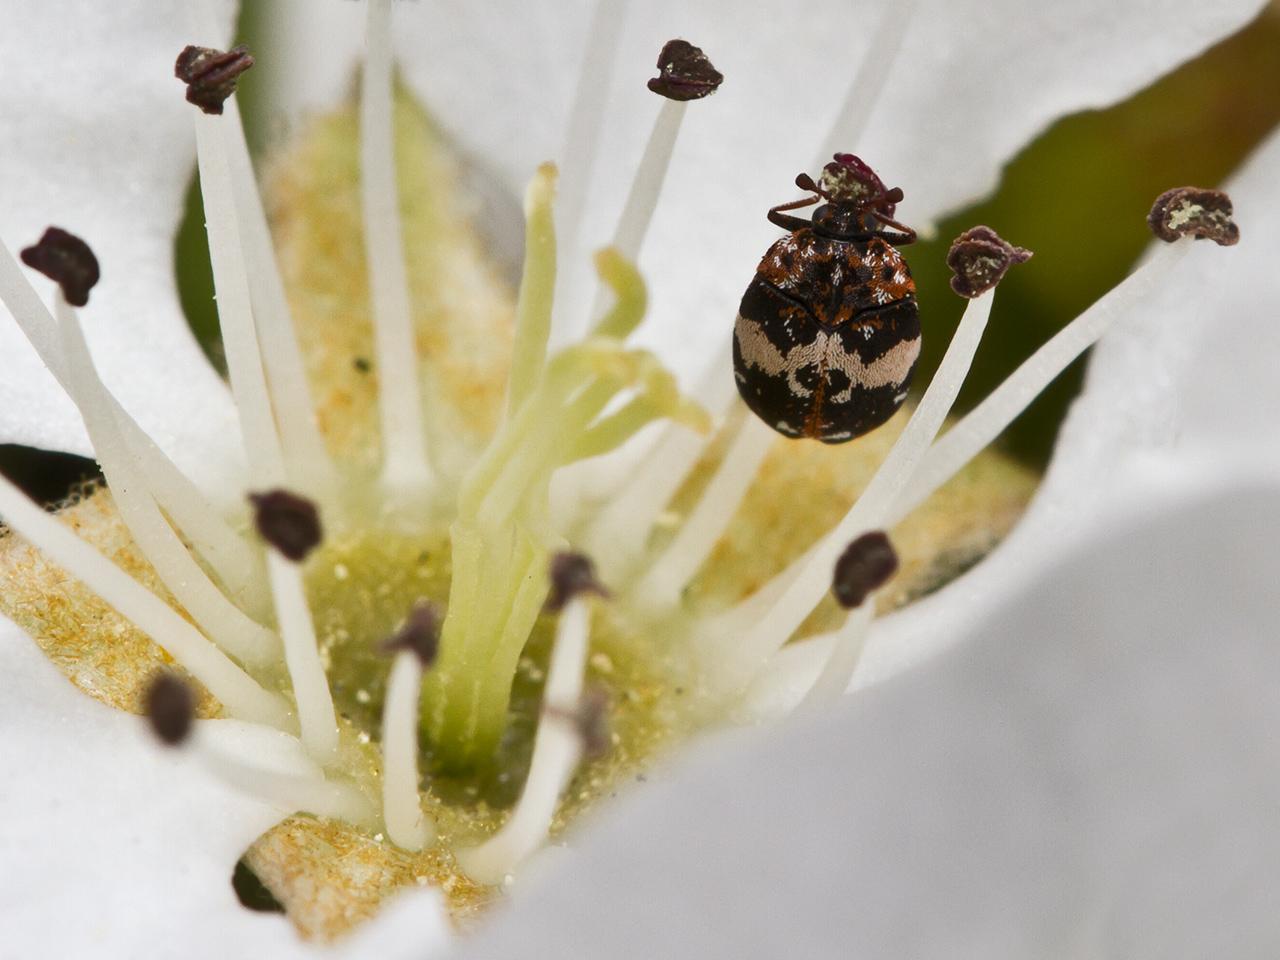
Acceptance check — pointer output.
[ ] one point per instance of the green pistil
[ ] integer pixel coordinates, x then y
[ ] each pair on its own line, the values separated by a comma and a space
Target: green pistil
501, 540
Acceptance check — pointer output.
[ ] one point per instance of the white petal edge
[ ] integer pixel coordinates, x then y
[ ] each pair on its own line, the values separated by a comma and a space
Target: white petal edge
1089, 773
100, 142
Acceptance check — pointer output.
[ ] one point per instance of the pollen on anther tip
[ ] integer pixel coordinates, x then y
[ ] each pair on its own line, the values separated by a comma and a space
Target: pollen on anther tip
979, 258
170, 708
685, 73
211, 75
68, 261
1194, 212
420, 634
288, 522
866, 565
572, 574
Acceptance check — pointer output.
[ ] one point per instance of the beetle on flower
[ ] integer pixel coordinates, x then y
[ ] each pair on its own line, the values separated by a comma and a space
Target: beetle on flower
551, 413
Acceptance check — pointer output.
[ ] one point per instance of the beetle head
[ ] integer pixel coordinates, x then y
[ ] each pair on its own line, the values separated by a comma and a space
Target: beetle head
848, 180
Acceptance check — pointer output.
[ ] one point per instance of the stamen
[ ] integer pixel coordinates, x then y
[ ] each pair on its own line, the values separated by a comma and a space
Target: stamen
415, 646
557, 747
979, 258
288, 522
989, 418
685, 73
224, 622
420, 634
406, 469
67, 260
235, 311
235, 564
170, 708
210, 75
238, 692
1193, 212
734, 657
291, 525
572, 574
866, 565
537, 288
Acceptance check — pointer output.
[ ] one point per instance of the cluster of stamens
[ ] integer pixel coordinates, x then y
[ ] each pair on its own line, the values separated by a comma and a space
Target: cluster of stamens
453, 658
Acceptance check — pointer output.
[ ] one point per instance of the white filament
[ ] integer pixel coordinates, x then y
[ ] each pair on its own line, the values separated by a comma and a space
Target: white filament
237, 691
557, 748
224, 622
407, 826
868, 83
586, 117
406, 468
621, 529
737, 657
707, 522
233, 560
642, 198
307, 462
316, 718
289, 792
841, 663
988, 419
235, 311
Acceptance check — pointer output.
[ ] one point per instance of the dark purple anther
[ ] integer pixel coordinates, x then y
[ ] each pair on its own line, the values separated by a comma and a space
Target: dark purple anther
685, 73
979, 258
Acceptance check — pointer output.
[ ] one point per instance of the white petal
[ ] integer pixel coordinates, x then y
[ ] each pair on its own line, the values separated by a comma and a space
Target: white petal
98, 141
1180, 395
975, 80
114, 847
1091, 773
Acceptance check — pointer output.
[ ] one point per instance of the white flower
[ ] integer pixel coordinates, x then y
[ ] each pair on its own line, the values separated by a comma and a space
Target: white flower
136, 847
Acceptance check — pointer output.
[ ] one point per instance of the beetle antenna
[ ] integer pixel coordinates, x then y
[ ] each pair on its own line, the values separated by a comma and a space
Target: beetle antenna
805, 182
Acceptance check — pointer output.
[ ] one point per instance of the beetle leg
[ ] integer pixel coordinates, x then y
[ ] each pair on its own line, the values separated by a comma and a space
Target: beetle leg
779, 219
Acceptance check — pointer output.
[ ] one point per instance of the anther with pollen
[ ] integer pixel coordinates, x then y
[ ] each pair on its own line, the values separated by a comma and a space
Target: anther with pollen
572, 574
1193, 212
866, 565
979, 258
420, 634
67, 260
288, 522
685, 73
211, 75
170, 708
